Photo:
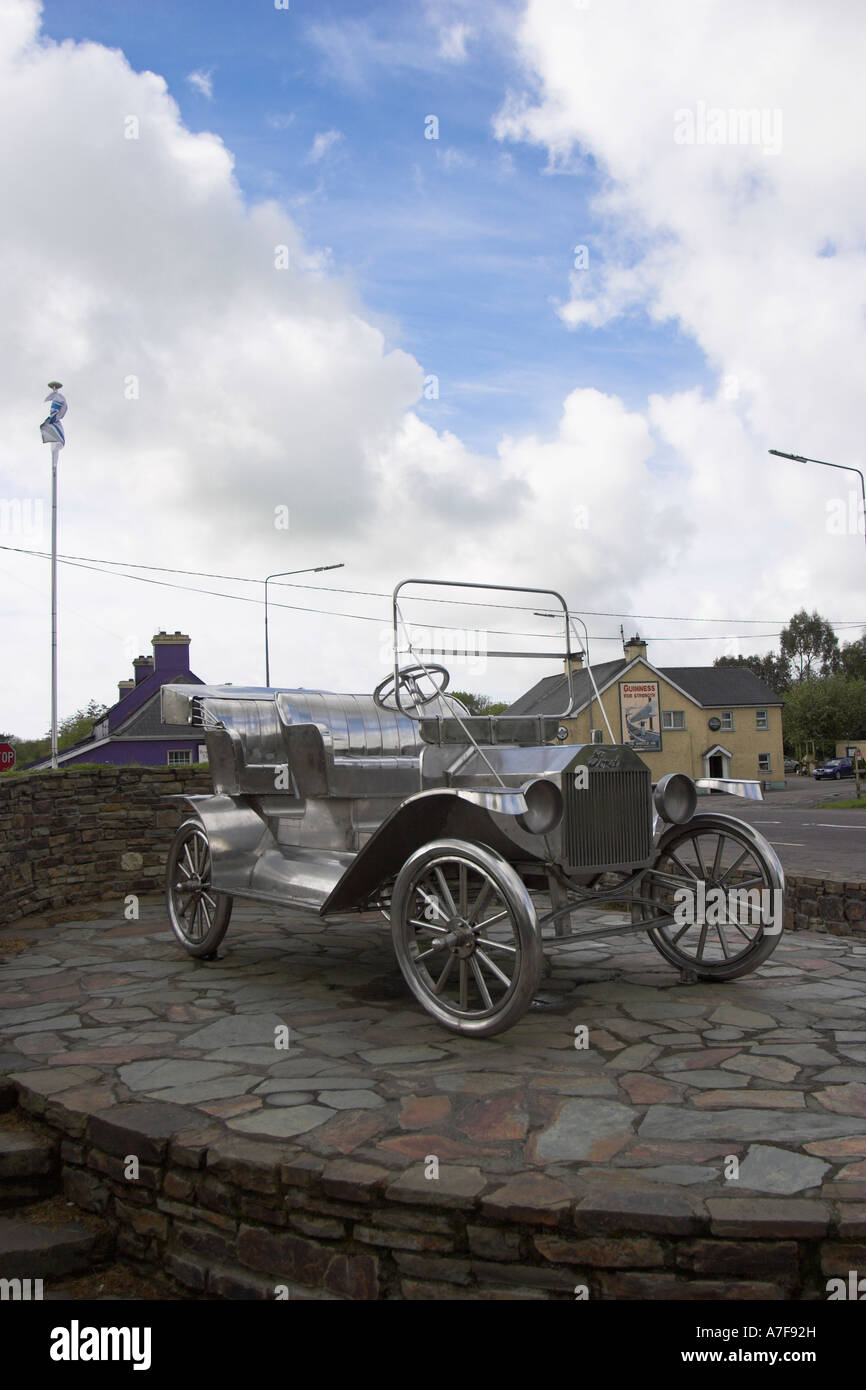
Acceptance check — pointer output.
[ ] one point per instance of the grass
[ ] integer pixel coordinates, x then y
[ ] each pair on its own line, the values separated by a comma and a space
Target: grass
18, 773
854, 803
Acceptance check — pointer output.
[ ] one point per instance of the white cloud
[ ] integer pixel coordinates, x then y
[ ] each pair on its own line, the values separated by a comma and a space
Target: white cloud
323, 143
724, 240
452, 158
202, 82
453, 40
207, 386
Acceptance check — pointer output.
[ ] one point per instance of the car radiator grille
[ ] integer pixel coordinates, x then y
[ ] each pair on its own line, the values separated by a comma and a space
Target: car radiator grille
610, 820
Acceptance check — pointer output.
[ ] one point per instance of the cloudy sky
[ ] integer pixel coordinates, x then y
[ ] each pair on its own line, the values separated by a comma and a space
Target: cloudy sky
510, 292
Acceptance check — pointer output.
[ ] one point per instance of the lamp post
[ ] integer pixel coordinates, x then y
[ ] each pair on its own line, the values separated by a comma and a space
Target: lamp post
799, 458
52, 433
284, 574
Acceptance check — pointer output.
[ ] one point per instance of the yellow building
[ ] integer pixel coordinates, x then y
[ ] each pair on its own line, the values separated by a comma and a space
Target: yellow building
707, 721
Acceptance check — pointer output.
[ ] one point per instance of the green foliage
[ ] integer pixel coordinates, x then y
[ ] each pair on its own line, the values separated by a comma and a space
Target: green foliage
826, 710
811, 645
774, 670
853, 659
69, 731
479, 704
79, 725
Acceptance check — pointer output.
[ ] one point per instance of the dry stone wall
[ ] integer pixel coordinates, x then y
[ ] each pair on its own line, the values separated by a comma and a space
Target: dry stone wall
80, 835
90, 834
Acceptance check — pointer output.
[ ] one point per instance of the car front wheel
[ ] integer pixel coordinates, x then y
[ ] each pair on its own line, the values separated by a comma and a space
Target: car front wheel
466, 937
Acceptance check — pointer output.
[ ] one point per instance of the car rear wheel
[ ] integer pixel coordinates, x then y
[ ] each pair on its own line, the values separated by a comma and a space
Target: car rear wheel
717, 887
199, 915
466, 937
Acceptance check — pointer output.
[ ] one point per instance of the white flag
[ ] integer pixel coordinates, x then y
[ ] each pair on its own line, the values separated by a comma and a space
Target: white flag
52, 430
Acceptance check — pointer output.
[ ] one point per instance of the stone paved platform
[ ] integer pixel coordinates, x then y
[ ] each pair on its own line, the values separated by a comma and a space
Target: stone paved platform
676, 1080
706, 1143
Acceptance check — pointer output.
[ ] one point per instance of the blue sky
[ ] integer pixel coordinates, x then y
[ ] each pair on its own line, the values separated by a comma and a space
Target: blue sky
460, 247
602, 431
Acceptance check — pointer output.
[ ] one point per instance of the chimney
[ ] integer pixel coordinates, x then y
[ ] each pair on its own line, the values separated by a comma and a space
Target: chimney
634, 647
124, 687
143, 667
171, 654
576, 662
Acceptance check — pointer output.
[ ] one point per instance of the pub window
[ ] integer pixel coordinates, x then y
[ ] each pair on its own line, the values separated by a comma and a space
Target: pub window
673, 719
761, 719
177, 757
728, 719
763, 762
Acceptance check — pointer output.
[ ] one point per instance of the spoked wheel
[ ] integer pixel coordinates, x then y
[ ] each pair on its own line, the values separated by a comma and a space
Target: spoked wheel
466, 936
719, 885
199, 916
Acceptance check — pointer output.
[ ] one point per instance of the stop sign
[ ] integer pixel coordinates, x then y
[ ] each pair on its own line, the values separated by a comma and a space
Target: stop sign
7, 757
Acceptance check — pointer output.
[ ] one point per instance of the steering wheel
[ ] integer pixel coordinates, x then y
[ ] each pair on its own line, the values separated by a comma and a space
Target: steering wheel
407, 679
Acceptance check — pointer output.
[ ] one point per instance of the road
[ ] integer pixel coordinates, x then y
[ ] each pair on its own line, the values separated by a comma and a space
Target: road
808, 839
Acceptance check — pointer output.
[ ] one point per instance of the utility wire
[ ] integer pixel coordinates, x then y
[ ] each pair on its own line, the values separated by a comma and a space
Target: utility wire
97, 567
373, 593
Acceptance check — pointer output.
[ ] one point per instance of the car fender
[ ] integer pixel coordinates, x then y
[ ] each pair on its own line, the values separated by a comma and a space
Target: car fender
235, 832
452, 812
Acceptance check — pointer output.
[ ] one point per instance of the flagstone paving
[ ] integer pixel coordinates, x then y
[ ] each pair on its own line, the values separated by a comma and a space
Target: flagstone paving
675, 1081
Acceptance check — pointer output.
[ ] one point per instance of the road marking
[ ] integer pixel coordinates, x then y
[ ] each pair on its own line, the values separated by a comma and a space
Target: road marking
792, 844
766, 822
834, 825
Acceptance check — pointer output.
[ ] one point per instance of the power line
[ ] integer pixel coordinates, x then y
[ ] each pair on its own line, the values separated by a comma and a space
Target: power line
376, 594
97, 566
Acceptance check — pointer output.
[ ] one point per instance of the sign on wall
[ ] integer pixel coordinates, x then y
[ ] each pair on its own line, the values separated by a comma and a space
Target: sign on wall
640, 715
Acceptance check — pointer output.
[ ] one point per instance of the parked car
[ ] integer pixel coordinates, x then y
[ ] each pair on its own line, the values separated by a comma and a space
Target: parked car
471, 834
836, 768
792, 766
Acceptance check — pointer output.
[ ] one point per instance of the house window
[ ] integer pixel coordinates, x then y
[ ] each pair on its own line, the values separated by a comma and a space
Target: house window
763, 762
761, 719
728, 719
177, 757
673, 719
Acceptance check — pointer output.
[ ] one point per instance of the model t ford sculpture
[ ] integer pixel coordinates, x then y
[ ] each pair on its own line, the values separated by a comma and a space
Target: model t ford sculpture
471, 834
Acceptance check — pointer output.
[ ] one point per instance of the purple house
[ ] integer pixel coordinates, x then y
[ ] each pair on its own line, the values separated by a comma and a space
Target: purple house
131, 732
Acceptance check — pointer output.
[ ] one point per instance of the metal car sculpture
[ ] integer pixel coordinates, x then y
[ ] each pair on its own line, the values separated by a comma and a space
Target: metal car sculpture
475, 836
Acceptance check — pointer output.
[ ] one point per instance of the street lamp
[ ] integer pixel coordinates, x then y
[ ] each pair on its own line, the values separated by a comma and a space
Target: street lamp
316, 569
52, 433
799, 458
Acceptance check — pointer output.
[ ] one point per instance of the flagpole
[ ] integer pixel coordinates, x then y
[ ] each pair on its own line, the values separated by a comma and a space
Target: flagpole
52, 433
54, 451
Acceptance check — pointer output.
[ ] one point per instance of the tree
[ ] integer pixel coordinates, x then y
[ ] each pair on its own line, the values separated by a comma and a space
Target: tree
79, 725
478, 704
852, 659
826, 710
811, 645
774, 670
70, 730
